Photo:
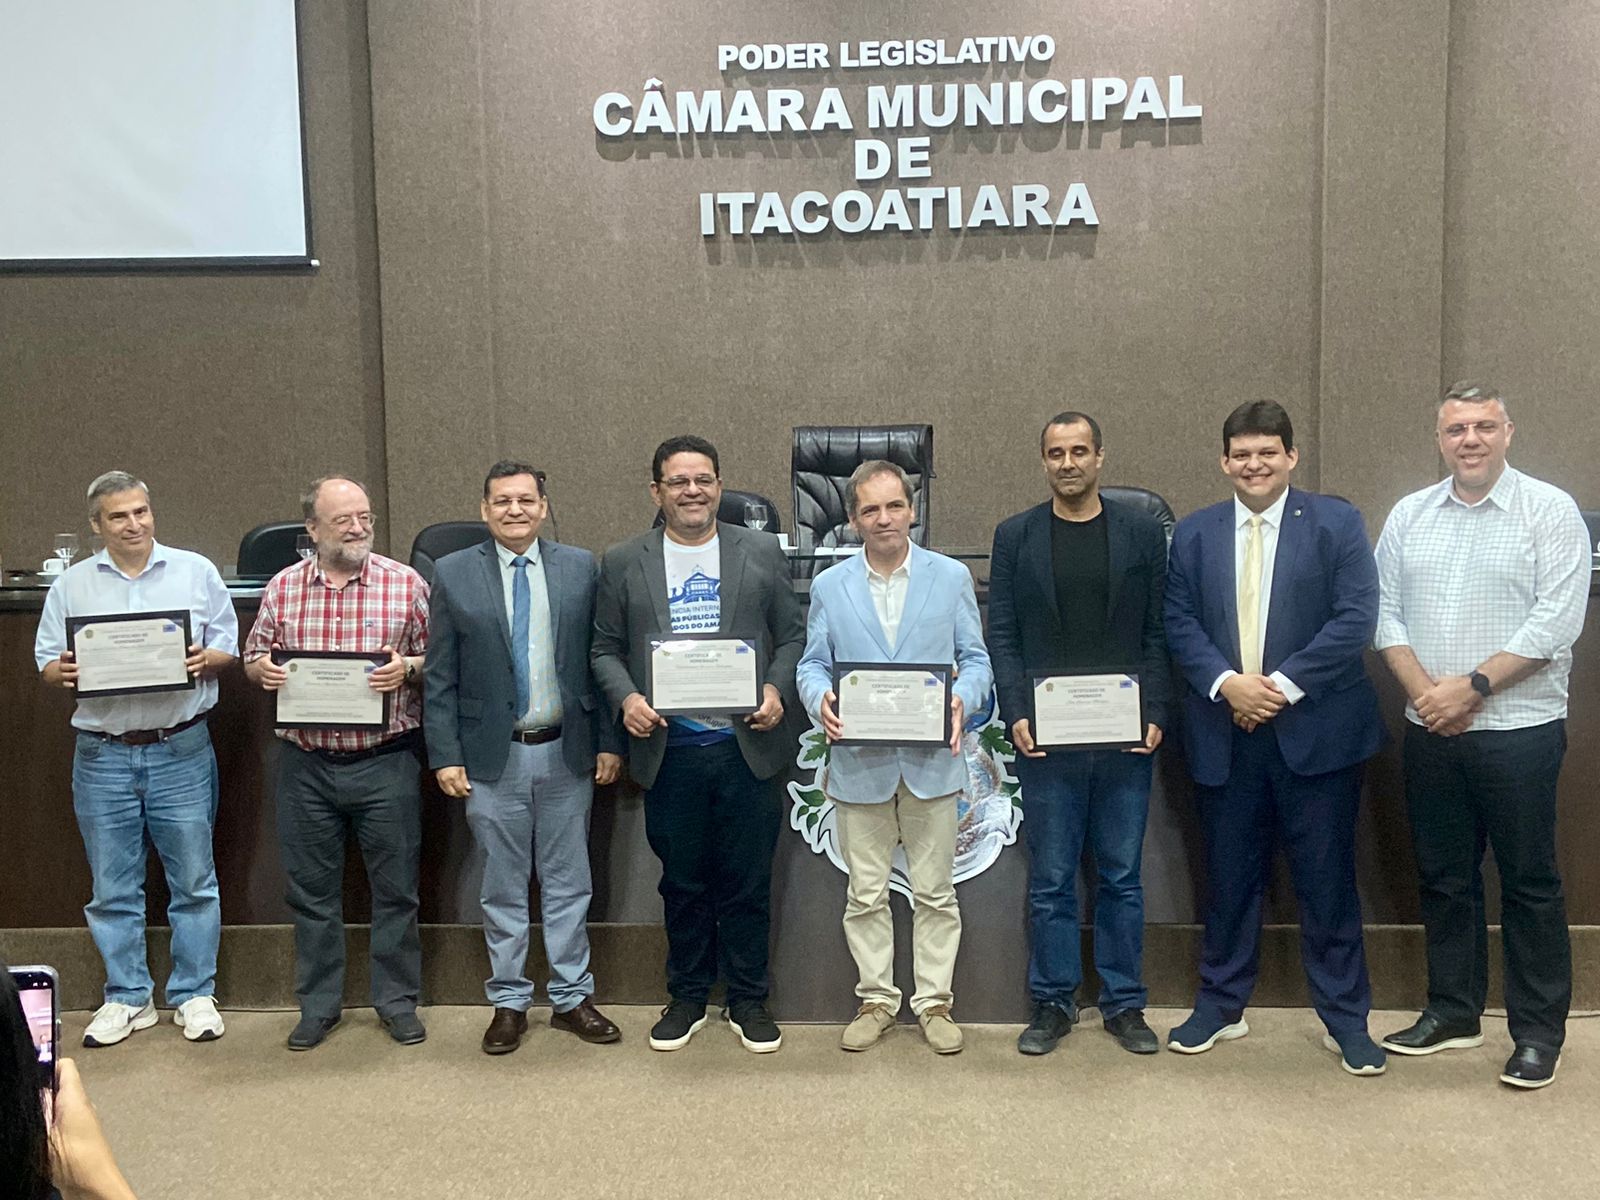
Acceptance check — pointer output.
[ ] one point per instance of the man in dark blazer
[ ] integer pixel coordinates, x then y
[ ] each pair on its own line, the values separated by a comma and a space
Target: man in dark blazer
1076, 584
712, 792
515, 727
1272, 599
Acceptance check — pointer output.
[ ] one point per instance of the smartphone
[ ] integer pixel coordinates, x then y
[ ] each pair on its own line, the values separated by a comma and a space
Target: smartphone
40, 992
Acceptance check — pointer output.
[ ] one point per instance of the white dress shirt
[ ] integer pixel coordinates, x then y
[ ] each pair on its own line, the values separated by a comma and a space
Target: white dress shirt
1271, 521
171, 579
1460, 582
544, 693
889, 595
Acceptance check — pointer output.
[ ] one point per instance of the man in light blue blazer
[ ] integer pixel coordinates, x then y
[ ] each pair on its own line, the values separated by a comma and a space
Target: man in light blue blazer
896, 602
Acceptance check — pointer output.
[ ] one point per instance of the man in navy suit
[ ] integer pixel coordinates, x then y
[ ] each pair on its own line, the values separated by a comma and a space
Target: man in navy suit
1272, 598
515, 728
1076, 583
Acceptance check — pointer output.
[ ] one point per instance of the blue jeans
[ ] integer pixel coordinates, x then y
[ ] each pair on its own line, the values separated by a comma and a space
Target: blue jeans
1104, 795
168, 790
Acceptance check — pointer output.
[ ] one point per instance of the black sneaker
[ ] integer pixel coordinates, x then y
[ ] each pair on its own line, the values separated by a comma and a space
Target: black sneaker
680, 1021
1131, 1032
1531, 1066
1429, 1035
757, 1031
1051, 1023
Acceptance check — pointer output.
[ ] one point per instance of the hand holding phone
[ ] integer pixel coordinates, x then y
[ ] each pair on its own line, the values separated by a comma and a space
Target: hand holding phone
39, 989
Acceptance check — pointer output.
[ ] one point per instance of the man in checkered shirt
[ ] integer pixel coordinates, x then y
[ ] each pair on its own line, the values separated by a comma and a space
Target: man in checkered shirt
336, 782
1484, 578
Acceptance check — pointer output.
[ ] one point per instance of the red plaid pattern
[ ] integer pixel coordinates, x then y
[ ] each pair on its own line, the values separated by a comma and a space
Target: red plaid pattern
385, 605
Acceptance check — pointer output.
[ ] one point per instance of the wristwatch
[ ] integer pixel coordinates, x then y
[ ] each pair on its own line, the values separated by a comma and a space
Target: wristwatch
1480, 684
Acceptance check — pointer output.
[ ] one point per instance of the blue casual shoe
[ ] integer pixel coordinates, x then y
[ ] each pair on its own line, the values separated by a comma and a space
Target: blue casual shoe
1203, 1031
1357, 1052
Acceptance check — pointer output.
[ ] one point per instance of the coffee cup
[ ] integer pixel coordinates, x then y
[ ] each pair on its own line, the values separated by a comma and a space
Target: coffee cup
53, 566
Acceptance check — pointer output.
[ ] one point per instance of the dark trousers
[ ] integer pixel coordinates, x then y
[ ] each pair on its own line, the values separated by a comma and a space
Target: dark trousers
320, 803
1314, 817
1494, 786
714, 826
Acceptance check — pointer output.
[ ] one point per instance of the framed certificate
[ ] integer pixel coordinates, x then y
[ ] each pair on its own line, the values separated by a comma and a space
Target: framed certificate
328, 689
893, 704
1082, 710
130, 654
704, 673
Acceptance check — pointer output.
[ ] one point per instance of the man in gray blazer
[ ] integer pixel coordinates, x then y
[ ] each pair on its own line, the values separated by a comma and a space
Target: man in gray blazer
513, 726
712, 808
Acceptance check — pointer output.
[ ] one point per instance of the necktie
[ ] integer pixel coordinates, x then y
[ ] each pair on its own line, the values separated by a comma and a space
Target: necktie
1250, 601
520, 606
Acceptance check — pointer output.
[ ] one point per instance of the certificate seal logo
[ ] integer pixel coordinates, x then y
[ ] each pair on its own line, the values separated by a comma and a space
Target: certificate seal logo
86, 634
988, 811
293, 667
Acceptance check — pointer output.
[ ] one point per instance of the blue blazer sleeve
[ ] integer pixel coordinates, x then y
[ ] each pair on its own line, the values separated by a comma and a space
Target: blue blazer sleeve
1198, 657
813, 675
440, 676
974, 673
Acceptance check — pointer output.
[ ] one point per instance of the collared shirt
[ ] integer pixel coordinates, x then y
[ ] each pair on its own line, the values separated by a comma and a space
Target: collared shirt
1461, 582
1271, 522
171, 579
889, 595
385, 604
544, 694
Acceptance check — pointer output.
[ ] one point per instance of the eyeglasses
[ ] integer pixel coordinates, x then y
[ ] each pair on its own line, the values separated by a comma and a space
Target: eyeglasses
679, 483
1481, 428
351, 520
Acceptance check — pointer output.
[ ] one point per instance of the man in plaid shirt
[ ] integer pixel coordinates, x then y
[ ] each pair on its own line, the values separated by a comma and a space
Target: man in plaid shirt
332, 782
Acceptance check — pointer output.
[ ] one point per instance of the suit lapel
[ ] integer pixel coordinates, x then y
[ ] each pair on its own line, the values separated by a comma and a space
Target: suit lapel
731, 568
861, 596
554, 590
921, 587
495, 590
654, 566
1291, 541
1036, 554
1116, 556
1226, 575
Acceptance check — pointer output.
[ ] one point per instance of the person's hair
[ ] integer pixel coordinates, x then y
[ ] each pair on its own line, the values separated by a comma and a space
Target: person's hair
1263, 418
308, 500
24, 1140
684, 444
508, 468
871, 469
1469, 391
110, 484
1073, 418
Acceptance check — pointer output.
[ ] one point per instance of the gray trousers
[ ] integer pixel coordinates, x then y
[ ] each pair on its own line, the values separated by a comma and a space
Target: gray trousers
537, 812
319, 804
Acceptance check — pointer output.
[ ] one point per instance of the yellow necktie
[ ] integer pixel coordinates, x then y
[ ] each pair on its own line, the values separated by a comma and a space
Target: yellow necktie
1250, 601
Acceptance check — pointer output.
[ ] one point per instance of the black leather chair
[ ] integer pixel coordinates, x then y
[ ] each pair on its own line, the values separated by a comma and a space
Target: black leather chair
825, 455
1145, 501
268, 549
1591, 518
435, 541
731, 510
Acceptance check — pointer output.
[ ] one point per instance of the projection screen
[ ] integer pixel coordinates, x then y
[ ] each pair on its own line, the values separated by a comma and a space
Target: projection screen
155, 134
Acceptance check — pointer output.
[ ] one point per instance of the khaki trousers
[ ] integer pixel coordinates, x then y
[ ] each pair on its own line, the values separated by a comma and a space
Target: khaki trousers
867, 837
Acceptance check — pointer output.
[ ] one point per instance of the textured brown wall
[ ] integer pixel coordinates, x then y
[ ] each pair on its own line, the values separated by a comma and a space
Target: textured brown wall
225, 393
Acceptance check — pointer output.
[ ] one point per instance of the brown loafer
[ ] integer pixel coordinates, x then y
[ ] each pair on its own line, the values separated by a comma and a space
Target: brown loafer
505, 1032
588, 1022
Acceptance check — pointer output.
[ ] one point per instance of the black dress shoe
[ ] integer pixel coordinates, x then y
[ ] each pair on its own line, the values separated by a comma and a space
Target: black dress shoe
1531, 1066
405, 1028
1429, 1035
310, 1032
588, 1022
1131, 1031
505, 1031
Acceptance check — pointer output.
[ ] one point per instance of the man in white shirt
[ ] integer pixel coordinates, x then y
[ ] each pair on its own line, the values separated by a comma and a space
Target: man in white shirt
1485, 579
143, 764
896, 603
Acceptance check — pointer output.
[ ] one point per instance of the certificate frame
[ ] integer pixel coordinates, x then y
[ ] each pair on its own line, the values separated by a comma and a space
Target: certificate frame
757, 646
944, 671
280, 656
178, 616
1035, 678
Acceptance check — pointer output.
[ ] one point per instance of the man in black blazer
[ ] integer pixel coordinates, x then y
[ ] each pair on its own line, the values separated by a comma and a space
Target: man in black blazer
1076, 584
515, 727
712, 788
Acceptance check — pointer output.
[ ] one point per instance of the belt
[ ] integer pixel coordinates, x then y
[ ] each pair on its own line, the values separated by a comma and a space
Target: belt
536, 737
146, 737
406, 741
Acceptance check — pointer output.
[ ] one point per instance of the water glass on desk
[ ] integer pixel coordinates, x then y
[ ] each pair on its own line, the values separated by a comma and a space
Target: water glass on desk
66, 547
305, 545
755, 515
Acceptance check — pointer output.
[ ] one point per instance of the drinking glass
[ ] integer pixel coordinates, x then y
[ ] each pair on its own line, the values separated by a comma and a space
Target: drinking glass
755, 515
66, 545
305, 545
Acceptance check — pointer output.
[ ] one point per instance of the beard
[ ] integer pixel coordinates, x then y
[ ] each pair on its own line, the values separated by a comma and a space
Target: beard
348, 556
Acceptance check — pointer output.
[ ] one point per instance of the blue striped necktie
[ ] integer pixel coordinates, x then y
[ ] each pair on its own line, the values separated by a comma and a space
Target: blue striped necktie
521, 602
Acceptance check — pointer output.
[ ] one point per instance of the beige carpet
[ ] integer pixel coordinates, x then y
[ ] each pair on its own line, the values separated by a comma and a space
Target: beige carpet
1268, 1116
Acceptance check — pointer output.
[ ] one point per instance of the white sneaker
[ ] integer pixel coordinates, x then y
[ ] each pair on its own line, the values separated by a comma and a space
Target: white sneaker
199, 1019
114, 1022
